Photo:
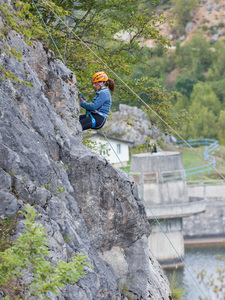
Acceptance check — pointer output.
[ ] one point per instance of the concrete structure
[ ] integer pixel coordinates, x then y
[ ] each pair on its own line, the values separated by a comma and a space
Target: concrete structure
121, 147
208, 190
209, 225
161, 180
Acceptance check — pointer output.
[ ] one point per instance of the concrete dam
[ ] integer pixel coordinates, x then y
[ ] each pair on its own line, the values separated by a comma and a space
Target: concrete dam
161, 180
208, 226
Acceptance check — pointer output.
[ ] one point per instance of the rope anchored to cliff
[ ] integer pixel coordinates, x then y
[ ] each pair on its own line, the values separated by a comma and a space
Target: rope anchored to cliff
139, 98
136, 95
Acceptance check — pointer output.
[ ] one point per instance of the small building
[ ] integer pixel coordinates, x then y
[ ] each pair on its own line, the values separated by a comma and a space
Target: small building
121, 147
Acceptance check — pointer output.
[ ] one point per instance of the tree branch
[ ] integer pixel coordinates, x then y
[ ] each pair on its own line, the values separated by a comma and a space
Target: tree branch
83, 18
96, 12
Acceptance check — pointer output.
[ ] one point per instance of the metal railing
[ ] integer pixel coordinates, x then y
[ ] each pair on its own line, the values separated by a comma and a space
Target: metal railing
210, 146
197, 142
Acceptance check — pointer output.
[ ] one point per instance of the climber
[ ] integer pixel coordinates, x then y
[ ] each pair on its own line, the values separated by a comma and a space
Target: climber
97, 111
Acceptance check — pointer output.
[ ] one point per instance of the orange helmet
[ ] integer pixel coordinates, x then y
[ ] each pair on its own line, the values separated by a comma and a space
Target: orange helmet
99, 76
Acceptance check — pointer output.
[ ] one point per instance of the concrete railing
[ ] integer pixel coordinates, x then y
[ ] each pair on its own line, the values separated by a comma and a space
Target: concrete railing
207, 190
203, 182
169, 211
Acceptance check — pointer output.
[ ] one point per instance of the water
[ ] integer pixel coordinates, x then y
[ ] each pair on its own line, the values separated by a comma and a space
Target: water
199, 258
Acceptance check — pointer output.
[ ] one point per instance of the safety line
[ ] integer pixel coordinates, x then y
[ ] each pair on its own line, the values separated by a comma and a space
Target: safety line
40, 15
138, 189
53, 41
157, 221
146, 202
132, 91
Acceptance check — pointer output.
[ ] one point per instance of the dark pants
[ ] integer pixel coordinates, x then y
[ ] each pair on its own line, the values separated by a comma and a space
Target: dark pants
87, 124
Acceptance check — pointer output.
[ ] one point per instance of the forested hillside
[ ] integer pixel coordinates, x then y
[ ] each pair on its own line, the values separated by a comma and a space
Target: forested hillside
194, 66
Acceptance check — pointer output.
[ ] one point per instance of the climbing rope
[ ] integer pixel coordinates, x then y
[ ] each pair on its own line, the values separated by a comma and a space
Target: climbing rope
157, 220
40, 15
138, 97
53, 41
113, 148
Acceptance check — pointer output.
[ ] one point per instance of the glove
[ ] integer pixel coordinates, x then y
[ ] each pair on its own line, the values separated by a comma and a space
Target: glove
81, 97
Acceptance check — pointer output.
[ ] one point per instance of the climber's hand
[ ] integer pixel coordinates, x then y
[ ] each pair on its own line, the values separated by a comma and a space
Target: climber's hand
81, 97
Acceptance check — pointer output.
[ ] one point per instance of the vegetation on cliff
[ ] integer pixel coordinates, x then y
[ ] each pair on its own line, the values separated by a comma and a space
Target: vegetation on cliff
29, 252
115, 31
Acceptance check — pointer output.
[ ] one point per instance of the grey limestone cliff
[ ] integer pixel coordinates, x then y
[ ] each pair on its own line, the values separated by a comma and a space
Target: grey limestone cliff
130, 123
100, 214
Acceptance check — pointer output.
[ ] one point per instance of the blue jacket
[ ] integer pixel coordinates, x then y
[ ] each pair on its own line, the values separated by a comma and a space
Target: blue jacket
101, 103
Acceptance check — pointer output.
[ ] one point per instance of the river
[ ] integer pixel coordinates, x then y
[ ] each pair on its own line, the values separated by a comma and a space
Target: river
199, 258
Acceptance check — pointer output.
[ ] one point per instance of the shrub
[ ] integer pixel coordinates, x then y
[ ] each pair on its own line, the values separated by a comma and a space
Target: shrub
7, 226
176, 291
204, 28
221, 24
29, 252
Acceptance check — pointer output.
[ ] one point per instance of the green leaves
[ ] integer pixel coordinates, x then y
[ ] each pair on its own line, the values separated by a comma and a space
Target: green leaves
182, 11
30, 252
113, 33
22, 20
97, 23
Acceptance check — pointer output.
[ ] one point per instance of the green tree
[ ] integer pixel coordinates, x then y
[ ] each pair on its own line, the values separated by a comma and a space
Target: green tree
218, 65
204, 94
185, 85
182, 102
181, 56
194, 58
204, 125
205, 106
201, 51
191, 61
182, 11
198, 74
221, 127
218, 87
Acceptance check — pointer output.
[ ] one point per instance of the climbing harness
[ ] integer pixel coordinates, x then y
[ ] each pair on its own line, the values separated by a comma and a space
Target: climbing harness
96, 77
88, 113
139, 98
93, 121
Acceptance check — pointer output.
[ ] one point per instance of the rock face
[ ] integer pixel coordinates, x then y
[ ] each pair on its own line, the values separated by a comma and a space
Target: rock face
139, 131
100, 214
188, 27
